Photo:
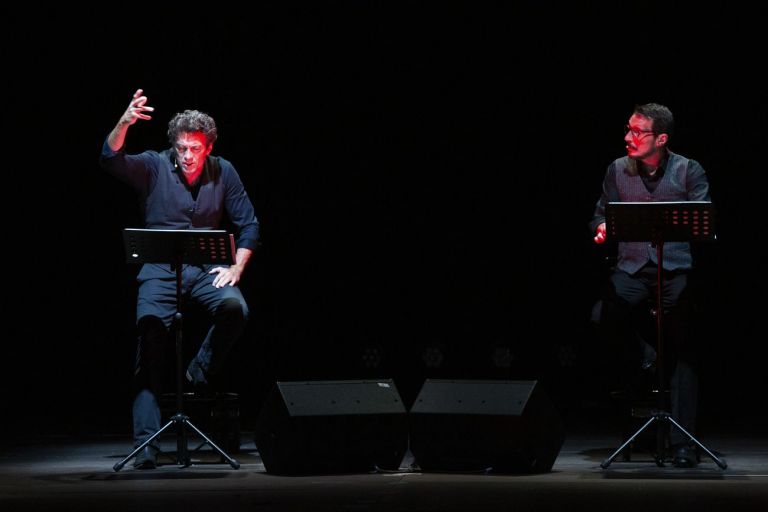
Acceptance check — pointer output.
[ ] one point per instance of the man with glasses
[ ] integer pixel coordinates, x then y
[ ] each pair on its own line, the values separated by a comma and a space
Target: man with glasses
651, 172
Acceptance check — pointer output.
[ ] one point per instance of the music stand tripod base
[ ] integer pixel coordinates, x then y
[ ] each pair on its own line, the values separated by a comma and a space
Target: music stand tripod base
659, 222
662, 416
179, 247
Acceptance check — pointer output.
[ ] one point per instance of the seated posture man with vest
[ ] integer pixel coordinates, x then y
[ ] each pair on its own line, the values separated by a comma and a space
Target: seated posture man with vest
651, 172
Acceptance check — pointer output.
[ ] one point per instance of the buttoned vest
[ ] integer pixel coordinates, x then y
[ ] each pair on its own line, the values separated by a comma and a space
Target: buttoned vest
672, 187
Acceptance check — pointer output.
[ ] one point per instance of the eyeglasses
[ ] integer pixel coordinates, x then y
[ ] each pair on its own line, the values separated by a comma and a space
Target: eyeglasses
638, 134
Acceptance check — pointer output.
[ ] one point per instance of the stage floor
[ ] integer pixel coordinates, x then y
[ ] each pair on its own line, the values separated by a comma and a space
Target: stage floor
58, 473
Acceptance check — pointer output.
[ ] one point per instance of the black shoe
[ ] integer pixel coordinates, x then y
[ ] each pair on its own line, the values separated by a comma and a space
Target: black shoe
196, 374
146, 458
685, 457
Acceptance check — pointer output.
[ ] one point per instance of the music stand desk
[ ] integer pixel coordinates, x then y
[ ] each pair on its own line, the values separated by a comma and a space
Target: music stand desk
177, 248
660, 222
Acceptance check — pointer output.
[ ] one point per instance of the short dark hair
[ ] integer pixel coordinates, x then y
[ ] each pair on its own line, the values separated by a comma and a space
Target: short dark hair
191, 121
663, 122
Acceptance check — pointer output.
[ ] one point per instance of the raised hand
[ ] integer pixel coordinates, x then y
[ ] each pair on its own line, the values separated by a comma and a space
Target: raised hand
133, 113
136, 109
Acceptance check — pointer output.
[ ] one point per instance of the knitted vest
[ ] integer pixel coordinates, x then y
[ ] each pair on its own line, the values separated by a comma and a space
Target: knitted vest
672, 187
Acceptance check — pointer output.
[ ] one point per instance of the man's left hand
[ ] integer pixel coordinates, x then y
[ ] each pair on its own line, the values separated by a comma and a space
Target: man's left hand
226, 276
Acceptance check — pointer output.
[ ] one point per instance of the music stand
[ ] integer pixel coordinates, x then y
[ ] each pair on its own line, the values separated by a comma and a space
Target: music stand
179, 248
659, 222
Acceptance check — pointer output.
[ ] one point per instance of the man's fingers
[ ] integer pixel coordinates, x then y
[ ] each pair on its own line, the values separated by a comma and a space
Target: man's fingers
140, 103
223, 278
221, 283
138, 112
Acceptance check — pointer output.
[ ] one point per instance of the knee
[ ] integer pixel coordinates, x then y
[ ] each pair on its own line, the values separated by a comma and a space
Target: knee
151, 328
613, 310
233, 309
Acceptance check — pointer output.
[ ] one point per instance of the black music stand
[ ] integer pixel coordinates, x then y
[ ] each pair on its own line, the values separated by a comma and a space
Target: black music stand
179, 248
659, 222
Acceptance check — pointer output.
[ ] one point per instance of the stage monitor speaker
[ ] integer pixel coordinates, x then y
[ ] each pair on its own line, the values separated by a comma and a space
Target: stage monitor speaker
326, 427
477, 425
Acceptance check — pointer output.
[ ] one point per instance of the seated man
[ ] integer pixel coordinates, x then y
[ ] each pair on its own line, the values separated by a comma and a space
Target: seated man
183, 187
651, 172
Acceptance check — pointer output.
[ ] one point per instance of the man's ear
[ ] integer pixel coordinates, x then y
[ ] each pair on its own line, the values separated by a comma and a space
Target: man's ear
662, 139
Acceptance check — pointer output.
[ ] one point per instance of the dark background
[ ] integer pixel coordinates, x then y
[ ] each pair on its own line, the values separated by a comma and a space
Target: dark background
423, 174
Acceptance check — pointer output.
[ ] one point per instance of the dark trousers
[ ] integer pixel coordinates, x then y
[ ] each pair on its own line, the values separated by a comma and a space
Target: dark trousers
155, 311
627, 300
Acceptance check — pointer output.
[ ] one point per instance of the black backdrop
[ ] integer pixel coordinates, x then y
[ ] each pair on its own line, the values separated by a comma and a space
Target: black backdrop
423, 174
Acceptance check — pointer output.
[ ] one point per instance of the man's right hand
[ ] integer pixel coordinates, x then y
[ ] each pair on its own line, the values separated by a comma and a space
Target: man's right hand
133, 113
136, 109
600, 234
